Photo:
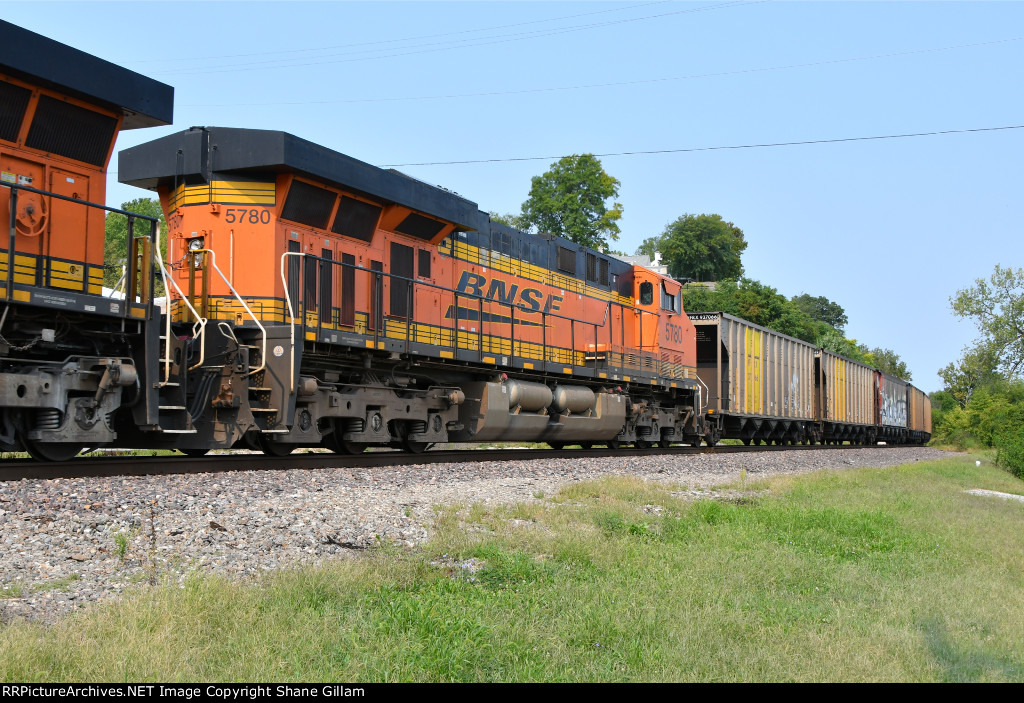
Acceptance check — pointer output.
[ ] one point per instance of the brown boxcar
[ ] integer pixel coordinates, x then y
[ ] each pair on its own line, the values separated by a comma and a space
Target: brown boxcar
844, 398
919, 419
760, 383
891, 408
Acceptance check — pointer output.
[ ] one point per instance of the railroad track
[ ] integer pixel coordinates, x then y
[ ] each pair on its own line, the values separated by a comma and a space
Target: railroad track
99, 466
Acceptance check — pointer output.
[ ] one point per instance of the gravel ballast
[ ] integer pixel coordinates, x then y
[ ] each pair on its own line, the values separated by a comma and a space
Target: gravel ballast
69, 542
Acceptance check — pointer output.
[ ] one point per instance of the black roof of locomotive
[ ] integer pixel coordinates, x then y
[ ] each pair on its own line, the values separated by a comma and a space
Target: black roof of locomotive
38, 59
204, 151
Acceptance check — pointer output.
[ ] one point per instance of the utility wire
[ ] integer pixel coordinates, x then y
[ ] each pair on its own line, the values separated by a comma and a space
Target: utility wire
614, 84
500, 39
711, 148
405, 39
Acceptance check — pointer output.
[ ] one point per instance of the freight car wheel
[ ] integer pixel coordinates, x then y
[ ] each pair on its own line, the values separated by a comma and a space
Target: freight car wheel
642, 444
586, 445
613, 444
194, 451
272, 448
556, 445
664, 443
51, 451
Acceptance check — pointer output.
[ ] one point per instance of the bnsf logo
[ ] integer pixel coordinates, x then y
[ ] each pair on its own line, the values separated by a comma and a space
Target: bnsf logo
507, 293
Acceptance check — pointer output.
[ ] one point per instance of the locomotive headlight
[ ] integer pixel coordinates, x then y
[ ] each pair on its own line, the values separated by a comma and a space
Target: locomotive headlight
195, 245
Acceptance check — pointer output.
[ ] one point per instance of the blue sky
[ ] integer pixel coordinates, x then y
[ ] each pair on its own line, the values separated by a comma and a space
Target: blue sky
889, 229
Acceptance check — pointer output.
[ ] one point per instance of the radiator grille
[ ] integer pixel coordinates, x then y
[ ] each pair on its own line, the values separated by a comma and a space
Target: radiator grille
13, 101
420, 227
308, 205
68, 130
356, 219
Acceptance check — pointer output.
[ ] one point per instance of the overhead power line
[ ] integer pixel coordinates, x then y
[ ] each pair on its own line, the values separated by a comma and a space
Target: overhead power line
710, 148
456, 44
615, 84
398, 40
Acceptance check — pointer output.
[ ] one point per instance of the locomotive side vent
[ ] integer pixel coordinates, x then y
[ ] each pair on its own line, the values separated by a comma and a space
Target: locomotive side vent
13, 102
420, 227
356, 219
308, 205
68, 130
567, 260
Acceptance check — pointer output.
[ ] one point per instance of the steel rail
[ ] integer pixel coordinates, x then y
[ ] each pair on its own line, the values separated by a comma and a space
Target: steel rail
105, 466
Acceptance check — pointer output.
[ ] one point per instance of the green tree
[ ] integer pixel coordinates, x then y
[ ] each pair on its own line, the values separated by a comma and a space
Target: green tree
753, 301
822, 309
888, 361
115, 244
510, 220
975, 369
569, 200
701, 247
834, 340
997, 307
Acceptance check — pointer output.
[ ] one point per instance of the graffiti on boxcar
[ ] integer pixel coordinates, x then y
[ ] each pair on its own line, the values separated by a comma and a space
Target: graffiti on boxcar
894, 405
794, 392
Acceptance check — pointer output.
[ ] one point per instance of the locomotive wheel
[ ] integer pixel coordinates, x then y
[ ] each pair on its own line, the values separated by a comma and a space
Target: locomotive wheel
51, 451
415, 447
344, 447
341, 446
272, 448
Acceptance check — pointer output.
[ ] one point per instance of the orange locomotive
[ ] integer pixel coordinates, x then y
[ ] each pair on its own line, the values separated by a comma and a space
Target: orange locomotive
320, 300
66, 351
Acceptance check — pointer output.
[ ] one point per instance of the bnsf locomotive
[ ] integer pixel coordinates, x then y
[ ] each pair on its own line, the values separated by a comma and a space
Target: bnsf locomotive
68, 355
316, 300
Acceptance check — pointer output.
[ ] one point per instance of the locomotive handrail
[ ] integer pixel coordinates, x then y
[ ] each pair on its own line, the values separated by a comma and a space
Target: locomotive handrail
87, 203
291, 318
654, 366
13, 220
200, 320
263, 330
700, 396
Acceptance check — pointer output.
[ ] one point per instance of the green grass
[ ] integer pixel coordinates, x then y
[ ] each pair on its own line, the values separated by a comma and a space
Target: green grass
863, 575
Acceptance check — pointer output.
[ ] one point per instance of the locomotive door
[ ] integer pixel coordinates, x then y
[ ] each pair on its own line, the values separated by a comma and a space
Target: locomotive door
401, 303
426, 302
70, 218
326, 276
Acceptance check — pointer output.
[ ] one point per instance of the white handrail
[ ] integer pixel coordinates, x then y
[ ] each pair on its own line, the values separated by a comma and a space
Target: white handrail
291, 315
263, 330
200, 321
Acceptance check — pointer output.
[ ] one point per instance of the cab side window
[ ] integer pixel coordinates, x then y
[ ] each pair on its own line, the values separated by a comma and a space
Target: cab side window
646, 293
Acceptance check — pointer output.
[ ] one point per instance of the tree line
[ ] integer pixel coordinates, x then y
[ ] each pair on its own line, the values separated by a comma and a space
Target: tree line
576, 199
982, 400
